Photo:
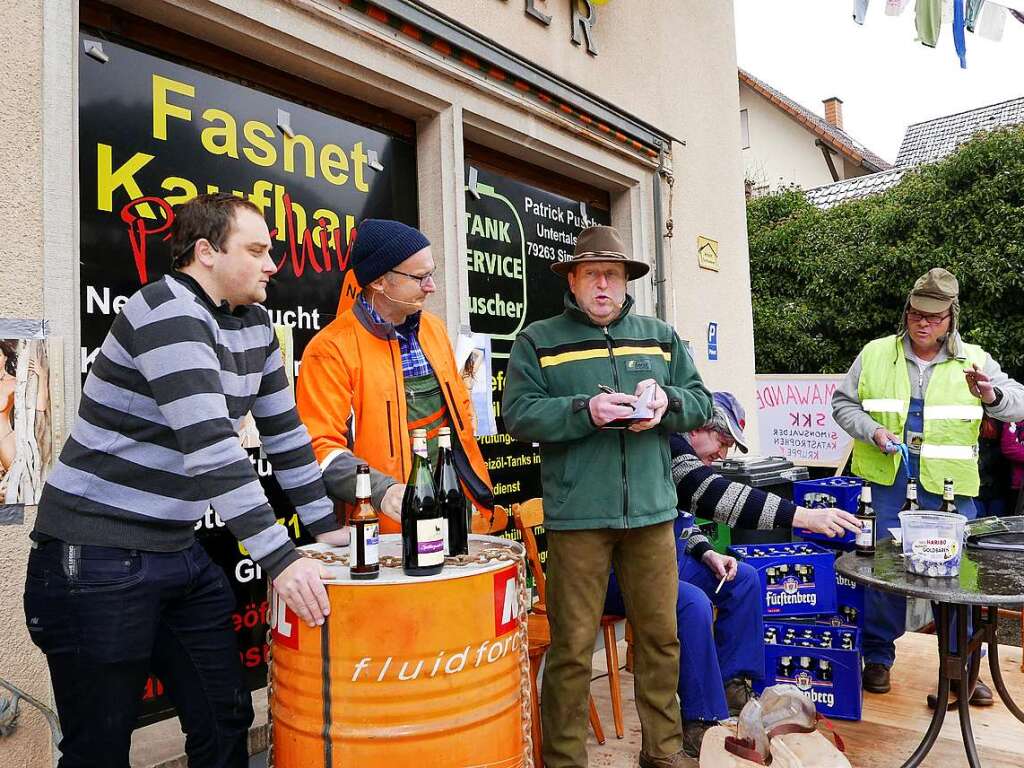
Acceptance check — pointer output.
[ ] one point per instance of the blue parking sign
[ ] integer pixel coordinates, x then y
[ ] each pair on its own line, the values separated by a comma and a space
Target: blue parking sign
712, 341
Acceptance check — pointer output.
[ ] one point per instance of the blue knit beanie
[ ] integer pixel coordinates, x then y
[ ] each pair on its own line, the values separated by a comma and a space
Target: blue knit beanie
381, 245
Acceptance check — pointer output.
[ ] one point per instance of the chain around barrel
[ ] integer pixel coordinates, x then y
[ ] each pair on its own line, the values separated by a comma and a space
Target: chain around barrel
491, 553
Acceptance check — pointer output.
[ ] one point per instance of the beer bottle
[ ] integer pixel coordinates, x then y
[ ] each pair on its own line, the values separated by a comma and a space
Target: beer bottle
865, 542
824, 671
422, 537
948, 497
911, 505
785, 668
363, 561
452, 500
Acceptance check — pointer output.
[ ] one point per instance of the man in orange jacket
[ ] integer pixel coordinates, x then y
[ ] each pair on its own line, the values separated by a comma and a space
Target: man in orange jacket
383, 368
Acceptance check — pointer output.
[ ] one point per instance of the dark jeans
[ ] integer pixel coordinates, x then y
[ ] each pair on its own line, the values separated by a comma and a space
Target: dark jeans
105, 617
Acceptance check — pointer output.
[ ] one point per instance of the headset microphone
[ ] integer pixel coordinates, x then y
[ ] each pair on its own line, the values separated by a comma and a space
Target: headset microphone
399, 301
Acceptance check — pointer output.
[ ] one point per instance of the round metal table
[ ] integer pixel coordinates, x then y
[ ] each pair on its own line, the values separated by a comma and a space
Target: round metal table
989, 579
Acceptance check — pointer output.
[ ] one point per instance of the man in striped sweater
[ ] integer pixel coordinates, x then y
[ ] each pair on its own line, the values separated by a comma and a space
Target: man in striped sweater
117, 585
720, 654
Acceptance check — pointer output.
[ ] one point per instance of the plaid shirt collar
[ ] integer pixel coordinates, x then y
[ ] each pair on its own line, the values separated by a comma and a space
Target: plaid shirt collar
414, 362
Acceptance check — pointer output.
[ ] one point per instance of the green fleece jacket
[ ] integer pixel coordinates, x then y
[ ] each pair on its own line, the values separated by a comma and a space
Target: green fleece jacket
600, 478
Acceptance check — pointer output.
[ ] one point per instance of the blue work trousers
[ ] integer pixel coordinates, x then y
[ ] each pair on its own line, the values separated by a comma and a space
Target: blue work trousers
885, 613
712, 651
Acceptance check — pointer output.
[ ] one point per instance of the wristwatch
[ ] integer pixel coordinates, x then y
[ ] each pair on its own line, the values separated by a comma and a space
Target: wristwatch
999, 398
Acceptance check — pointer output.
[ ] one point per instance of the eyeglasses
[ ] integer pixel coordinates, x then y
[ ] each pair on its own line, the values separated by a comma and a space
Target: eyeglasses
421, 279
916, 317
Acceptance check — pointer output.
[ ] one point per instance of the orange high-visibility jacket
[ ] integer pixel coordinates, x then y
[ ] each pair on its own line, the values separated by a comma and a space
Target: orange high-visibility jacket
351, 397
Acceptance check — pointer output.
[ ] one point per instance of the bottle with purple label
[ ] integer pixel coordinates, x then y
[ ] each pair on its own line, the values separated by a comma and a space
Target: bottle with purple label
422, 528
363, 559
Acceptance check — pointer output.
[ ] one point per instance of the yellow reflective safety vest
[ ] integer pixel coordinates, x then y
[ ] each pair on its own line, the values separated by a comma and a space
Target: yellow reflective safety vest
952, 416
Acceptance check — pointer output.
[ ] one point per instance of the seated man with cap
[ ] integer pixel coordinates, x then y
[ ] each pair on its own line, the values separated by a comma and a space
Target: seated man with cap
382, 368
718, 606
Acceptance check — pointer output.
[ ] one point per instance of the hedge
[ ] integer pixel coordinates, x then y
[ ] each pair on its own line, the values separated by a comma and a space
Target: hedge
825, 282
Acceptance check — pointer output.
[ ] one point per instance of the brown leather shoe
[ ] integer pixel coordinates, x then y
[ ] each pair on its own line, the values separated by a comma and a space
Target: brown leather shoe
678, 760
982, 696
875, 678
737, 693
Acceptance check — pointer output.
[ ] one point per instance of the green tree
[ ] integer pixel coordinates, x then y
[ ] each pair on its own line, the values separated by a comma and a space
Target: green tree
825, 282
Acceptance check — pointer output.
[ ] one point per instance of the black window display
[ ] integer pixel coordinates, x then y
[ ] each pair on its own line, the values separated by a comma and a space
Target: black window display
154, 133
514, 232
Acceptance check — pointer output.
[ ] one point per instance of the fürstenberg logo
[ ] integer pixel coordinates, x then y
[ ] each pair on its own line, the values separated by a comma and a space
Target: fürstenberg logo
778, 599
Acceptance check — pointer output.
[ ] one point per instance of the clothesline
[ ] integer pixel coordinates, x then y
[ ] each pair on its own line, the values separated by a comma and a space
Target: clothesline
985, 18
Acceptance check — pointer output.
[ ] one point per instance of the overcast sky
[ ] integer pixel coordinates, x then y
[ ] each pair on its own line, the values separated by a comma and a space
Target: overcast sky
812, 49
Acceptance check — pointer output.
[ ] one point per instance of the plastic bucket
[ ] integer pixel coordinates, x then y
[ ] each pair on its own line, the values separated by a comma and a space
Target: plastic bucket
410, 672
933, 542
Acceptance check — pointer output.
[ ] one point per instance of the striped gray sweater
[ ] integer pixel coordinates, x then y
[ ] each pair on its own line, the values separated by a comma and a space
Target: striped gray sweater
156, 437
704, 493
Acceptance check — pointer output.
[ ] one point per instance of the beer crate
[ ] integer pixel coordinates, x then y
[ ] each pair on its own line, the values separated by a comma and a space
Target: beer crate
718, 534
797, 579
824, 663
849, 605
841, 492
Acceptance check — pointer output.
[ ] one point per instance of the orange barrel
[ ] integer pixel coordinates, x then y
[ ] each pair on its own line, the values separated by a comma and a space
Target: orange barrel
409, 672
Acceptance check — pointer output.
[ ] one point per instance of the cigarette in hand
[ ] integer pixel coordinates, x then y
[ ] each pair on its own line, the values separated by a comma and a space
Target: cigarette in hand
721, 582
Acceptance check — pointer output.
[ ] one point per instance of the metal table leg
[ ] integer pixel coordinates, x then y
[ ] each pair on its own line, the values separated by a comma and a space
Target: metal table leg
939, 715
963, 658
993, 665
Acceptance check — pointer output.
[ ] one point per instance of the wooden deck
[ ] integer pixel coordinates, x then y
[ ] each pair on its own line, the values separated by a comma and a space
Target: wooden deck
892, 725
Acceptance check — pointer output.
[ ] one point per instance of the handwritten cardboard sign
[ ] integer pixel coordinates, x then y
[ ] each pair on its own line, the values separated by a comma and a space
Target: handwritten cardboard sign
795, 417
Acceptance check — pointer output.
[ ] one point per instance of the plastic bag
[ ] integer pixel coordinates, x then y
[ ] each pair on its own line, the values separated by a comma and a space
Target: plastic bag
750, 729
786, 705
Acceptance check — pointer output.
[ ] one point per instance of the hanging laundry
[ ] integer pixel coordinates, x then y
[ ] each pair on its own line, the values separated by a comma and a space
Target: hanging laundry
860, 10
972, 11
958, 32
1017, 15
895, 7
947, 11
928, 15
991, 22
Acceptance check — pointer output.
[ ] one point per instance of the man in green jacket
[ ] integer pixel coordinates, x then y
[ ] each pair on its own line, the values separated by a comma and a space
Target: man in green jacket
580, 385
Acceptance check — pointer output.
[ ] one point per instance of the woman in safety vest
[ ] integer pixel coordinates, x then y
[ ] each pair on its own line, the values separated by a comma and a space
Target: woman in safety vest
925, 387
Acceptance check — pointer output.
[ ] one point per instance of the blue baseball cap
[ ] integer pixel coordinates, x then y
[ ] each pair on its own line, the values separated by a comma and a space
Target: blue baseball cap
726, 404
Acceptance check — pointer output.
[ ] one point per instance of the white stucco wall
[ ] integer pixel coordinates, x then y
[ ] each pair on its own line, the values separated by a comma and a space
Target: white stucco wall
782, 151
21, 296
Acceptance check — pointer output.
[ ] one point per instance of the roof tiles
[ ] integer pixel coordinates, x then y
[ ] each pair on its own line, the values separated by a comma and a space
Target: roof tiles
839, 139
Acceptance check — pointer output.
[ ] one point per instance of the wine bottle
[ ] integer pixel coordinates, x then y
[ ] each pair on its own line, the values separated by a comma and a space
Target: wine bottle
451, 498
911, 504
363, 558
422, 537
865, 541
948, 496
